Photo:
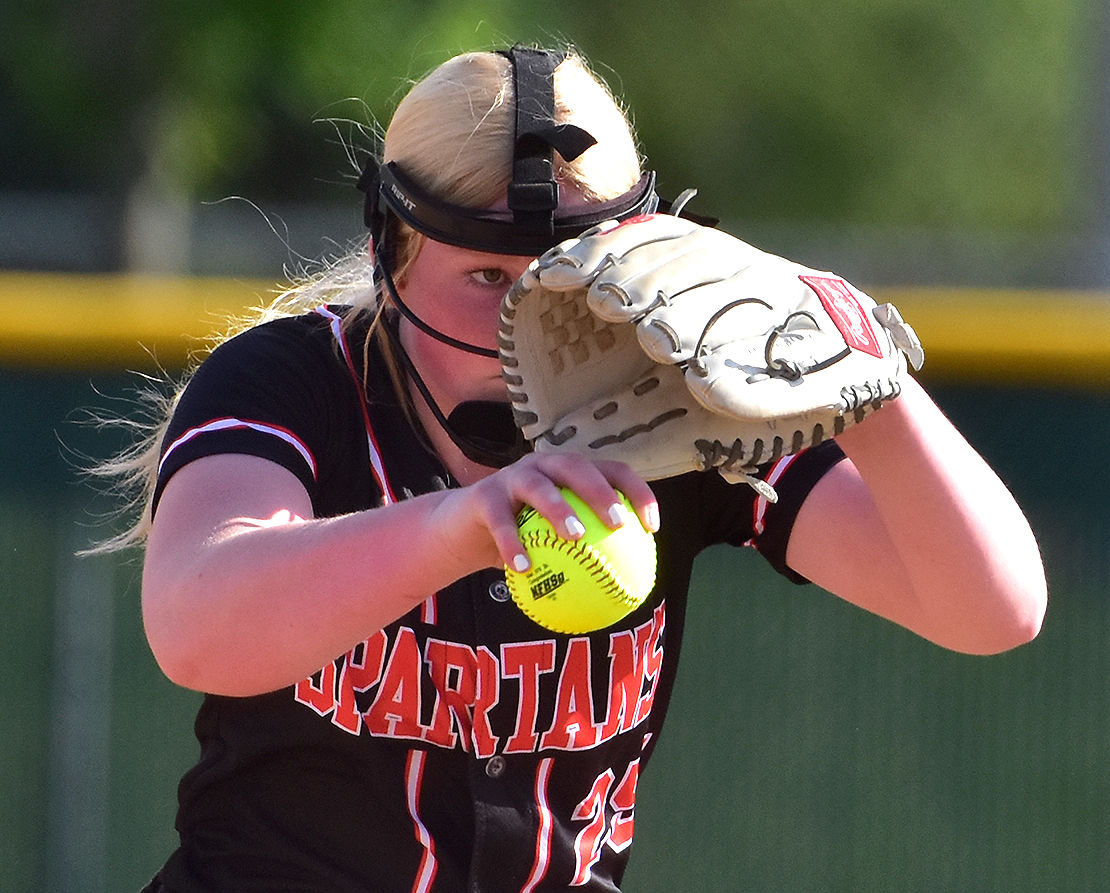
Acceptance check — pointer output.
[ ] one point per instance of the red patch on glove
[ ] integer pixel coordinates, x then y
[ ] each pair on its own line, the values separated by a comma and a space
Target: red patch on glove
847, 314
639, 218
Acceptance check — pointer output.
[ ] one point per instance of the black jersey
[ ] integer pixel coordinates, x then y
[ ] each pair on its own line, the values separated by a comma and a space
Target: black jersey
462, 747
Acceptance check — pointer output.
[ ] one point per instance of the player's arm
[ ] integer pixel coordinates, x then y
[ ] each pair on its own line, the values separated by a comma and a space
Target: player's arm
245, 592
917, 528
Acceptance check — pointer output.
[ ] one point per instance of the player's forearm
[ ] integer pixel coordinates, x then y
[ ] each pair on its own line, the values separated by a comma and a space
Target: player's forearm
264, 604
970, 556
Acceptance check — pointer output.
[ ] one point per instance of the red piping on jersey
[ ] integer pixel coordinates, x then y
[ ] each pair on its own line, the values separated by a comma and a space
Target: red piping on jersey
376, 463
414, 776
760, 506
232, 424
543, 835
428, 611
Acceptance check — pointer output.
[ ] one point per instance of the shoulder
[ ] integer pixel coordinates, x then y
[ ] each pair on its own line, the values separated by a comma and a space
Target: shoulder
701, 509
305, 352
305, 335
281, 390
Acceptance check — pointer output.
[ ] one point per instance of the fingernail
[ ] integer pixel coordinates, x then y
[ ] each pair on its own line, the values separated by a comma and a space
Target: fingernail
618, 514
575, 527
521, 563
652, 514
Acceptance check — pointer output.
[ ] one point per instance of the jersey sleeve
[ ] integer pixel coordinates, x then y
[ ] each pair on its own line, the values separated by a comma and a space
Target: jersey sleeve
269, 392
772, 522
707, 510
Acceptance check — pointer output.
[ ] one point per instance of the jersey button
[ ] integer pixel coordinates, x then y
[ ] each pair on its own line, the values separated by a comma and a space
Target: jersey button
499, 591
495, 768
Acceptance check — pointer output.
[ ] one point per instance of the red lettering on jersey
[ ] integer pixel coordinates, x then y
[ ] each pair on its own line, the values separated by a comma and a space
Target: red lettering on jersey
362, 668
609, 819
587, 845
846, 313
573, 725
320, 698
526, 661
635, 660
396, 709
454, 671
626, 663
488, 694
467, 686
623, 802
653, 661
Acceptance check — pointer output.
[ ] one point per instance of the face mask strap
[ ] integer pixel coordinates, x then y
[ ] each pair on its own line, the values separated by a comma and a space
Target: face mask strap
531, 227
389, 190
483, 430
386, 277
533, 194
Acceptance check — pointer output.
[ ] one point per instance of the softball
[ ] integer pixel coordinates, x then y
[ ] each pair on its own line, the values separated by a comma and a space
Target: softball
577, 586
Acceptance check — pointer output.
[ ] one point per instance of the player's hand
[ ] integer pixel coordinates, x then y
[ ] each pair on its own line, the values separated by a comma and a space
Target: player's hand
482, 516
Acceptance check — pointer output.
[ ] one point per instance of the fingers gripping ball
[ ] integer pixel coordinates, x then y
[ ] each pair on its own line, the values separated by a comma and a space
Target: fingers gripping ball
577, 586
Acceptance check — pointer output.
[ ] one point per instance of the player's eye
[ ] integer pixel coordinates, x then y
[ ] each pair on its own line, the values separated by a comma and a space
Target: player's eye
490, 276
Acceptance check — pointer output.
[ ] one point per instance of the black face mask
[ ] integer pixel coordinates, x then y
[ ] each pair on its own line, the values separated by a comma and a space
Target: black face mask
485, 431
532, 225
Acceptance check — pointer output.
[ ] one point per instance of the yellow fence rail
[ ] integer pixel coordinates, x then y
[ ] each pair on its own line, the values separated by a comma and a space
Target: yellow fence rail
1053, 337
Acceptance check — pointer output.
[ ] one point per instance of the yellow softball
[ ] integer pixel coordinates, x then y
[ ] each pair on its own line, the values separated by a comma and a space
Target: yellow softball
577, 586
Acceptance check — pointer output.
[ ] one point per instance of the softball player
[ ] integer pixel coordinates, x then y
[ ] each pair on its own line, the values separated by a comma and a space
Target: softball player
334, 501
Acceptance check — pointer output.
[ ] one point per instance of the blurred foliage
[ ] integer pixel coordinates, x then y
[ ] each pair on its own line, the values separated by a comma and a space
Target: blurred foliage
905, 113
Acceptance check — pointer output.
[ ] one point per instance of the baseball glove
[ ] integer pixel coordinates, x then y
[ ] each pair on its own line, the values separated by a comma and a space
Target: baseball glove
674, 347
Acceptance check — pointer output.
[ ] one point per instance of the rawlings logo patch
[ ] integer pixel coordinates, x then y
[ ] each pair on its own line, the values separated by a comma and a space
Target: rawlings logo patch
639, 218
847, 314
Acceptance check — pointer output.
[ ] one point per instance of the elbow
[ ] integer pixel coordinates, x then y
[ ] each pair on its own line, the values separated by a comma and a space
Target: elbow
180, 643
1022, 593
194, 650
1021, 631
1031, 605
172, 652
1018, 624
181, 673
1029, 618
175, 639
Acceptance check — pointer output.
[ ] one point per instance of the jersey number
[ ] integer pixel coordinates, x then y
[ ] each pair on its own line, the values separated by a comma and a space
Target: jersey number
607, 810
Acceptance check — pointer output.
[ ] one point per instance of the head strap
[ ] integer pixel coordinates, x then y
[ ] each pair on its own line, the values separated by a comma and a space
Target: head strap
532, 224
533, 194
388, 188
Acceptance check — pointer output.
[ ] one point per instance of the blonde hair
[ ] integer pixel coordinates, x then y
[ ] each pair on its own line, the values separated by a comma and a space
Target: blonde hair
453, 134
